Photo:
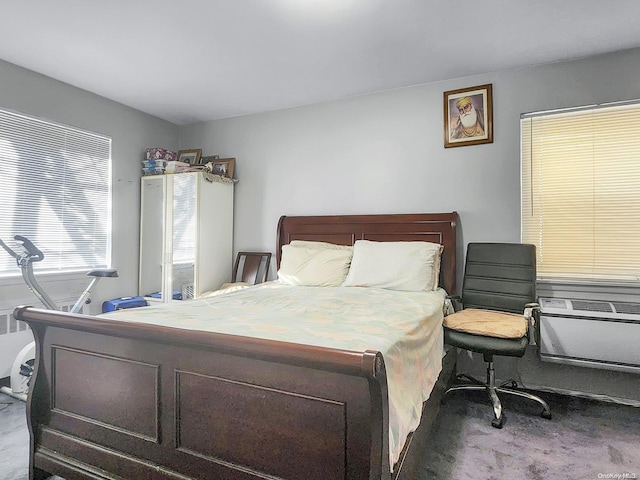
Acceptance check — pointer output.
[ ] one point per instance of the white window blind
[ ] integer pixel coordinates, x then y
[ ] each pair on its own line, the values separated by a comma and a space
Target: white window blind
581, 192
54, 190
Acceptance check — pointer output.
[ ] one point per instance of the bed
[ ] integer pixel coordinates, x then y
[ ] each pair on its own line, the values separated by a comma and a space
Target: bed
114, 399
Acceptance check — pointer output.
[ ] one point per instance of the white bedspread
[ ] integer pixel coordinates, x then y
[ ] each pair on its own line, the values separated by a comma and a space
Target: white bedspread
406, 327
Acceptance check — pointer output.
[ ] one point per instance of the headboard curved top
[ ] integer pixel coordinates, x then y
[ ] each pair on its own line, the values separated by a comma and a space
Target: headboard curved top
346, 229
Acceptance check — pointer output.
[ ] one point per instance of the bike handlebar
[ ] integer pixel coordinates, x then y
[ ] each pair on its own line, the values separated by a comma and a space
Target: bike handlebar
33, 251
35, 255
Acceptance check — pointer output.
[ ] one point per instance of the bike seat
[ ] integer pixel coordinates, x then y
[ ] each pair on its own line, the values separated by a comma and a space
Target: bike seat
103, 272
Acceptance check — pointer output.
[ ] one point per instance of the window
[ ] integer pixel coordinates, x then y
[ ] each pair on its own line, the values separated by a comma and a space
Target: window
581, 192
54, 190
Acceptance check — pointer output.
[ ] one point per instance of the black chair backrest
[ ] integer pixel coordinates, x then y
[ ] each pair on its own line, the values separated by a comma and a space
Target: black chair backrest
499, 276
251, 267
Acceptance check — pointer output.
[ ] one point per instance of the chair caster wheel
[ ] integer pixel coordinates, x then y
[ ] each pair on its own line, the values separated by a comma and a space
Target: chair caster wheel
546, 415
510, 384
497, 422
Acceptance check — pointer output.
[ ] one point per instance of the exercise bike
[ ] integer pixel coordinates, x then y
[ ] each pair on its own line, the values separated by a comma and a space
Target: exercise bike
22, 368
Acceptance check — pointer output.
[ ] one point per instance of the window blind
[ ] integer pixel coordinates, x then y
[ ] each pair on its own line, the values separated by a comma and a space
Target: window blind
54, 190
580, 174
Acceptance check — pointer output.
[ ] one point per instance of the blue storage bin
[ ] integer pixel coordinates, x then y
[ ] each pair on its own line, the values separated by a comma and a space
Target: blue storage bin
122, 303
177, 295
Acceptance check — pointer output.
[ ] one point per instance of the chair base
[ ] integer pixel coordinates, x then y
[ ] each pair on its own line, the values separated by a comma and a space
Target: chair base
492, 390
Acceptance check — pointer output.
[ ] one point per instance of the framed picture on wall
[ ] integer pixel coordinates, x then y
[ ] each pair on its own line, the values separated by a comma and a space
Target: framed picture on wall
192, 157
468, 116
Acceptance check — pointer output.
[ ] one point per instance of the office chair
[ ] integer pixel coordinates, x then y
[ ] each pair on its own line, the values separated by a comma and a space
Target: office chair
498, 315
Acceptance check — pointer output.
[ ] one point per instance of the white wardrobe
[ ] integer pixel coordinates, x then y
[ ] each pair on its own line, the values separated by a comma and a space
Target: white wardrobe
186, 236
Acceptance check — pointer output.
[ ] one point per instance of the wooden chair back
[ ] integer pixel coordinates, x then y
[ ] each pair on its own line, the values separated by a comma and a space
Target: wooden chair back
251, 267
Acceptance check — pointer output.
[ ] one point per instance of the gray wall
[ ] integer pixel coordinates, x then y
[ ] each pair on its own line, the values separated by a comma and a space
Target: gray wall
132, 132
383, 153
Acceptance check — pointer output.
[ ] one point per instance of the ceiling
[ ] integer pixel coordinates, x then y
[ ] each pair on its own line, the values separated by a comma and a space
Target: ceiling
199, 60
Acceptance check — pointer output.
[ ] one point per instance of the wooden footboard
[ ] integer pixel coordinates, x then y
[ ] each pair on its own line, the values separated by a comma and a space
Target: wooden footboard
129, 401
114, 400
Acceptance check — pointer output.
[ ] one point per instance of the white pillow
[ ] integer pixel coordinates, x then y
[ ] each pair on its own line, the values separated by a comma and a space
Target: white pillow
408, 266
325, 267
314, 244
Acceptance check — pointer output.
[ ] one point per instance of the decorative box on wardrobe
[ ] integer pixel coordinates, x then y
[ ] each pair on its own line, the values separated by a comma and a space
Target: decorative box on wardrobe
186, 236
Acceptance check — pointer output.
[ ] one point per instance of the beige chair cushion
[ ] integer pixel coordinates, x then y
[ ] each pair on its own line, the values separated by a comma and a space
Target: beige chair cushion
488, 323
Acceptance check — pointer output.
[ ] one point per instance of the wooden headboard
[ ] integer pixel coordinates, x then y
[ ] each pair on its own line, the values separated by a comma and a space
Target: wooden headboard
346, 229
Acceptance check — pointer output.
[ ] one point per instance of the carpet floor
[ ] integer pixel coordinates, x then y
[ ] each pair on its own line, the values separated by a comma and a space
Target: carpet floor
586, 439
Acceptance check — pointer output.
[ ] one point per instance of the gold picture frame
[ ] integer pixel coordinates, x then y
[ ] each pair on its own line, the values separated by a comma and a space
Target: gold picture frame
192, 156
468, 116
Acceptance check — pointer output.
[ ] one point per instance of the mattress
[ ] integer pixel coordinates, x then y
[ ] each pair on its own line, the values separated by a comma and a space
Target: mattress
406, 327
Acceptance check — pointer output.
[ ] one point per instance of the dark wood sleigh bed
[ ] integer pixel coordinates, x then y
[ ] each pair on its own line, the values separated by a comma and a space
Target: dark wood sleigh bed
114, 400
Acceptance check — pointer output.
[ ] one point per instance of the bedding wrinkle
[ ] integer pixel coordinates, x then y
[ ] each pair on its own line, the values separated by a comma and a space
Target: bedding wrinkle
406, 327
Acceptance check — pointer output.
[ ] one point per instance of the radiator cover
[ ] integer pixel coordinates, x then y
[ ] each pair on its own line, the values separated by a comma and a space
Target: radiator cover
14, 335
595, 334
